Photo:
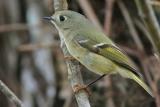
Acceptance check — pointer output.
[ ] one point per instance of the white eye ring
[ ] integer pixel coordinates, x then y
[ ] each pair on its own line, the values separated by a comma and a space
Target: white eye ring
62, 18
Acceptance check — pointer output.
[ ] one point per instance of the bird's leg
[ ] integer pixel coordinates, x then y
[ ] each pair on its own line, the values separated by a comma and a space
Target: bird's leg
69, 58
79, 87
96, 80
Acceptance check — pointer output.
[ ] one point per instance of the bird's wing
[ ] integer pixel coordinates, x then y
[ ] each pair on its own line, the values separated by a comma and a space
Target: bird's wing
109, 51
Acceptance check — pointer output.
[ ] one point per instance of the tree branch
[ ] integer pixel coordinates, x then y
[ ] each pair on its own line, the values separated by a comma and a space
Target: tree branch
10, 95
74, 73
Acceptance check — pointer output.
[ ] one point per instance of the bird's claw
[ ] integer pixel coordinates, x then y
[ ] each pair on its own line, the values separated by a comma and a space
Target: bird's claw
69, 58
80, 87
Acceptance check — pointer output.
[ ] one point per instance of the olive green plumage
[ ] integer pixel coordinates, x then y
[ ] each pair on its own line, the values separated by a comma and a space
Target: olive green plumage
92, 48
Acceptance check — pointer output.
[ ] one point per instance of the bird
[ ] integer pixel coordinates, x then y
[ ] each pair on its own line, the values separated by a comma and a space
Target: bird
92, 48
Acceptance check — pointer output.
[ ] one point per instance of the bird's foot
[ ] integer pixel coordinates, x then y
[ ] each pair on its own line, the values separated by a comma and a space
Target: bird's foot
79, 87
69, 58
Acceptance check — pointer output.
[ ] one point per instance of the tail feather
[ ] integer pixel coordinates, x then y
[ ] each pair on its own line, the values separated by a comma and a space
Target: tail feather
128, 74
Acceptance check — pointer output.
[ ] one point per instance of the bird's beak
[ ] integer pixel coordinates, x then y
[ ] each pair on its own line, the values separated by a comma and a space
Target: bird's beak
48, 18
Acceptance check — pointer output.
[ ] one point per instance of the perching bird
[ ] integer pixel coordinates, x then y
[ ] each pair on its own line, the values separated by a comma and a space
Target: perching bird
92, 48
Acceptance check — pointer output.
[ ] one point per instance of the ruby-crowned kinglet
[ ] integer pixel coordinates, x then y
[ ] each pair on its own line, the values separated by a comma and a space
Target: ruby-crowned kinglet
92, 48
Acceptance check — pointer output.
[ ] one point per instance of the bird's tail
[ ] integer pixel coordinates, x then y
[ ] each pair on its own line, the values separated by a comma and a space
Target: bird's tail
130, 75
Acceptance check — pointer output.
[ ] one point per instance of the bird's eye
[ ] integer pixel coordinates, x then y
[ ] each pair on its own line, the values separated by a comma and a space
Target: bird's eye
62, 18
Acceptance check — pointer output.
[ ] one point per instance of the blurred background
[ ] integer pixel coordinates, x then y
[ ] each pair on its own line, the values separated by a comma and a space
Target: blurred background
32, 64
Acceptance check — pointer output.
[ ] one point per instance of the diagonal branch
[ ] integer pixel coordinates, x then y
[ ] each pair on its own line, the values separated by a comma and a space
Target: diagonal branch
10, 95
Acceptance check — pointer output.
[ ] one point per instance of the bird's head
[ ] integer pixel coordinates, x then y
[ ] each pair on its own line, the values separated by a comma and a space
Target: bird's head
66, 20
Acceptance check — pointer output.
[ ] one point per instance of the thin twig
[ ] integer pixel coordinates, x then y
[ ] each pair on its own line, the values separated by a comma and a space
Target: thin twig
150, 81
109, 94
107, 30
18, 27
74, 73
13, 27
10, 95
148, 16
129, 51
145, 31
33, 47
108, 16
